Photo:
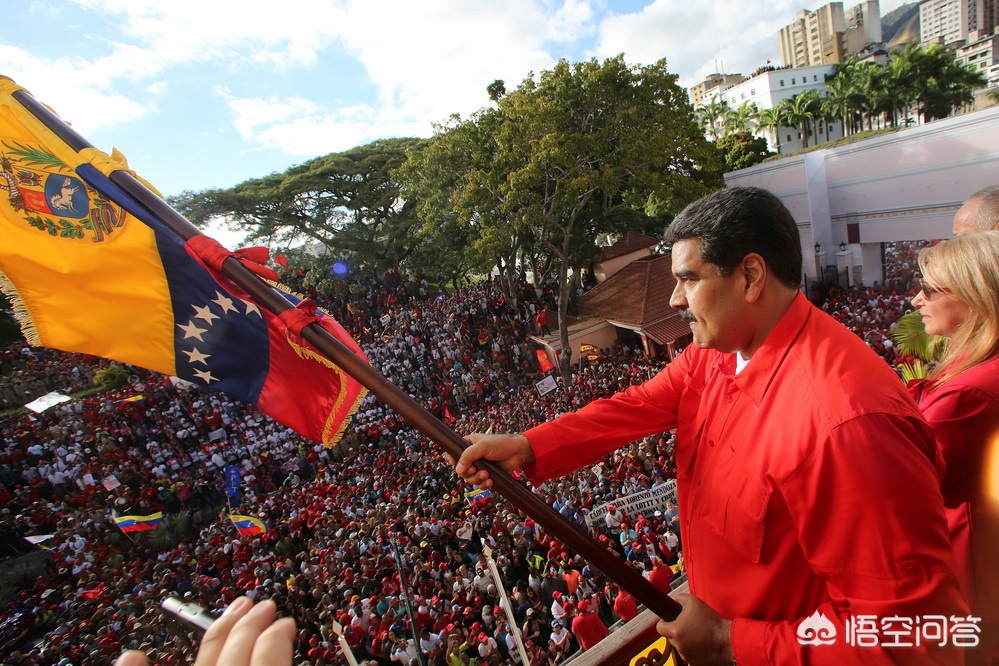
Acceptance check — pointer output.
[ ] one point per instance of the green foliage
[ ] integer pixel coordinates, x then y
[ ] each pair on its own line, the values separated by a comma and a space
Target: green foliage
911, 341
539, 175
349, 202
925, 81
168, 534
111, 376
742, 150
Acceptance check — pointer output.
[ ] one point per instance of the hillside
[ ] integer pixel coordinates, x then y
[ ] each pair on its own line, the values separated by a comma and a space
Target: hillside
901, 25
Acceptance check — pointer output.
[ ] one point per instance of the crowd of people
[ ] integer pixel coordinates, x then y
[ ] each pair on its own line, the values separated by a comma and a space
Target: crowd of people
376, 535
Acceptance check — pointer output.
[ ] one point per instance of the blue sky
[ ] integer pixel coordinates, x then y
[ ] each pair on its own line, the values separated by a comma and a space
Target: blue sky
208, 93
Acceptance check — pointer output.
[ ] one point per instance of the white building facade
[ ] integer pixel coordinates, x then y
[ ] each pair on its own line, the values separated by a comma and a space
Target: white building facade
768, 89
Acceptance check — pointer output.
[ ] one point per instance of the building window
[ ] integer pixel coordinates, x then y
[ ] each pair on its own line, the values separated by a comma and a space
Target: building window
753, 91
792, 82
782, 83
815, 77
788, 137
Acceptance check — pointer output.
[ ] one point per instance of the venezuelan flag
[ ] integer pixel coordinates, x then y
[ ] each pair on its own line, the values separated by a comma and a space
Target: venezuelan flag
478, 494
139, 523
248, 525
90, 268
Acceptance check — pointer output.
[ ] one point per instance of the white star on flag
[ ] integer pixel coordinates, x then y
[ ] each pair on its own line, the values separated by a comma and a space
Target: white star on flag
197, 356
205, 376
191, 330
205, 314
224, 302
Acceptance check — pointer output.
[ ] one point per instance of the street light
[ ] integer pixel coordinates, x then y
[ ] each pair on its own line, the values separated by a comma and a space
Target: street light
818, 248
842, 246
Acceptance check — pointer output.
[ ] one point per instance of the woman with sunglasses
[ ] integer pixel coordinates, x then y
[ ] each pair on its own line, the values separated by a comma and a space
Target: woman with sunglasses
959, 300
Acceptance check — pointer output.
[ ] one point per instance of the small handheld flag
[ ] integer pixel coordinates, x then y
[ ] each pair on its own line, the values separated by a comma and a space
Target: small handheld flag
139, 523
248, 525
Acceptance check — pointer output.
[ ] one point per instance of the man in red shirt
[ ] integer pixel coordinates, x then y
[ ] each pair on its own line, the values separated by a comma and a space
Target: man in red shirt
807, 482
587, 626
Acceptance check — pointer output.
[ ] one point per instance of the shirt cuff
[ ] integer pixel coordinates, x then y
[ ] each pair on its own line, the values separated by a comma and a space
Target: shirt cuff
749, 639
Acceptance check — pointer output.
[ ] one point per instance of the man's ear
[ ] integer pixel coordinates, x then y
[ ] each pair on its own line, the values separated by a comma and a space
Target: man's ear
755, 271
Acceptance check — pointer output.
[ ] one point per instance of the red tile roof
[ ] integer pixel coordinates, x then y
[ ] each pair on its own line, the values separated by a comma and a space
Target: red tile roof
630, 242
639, 296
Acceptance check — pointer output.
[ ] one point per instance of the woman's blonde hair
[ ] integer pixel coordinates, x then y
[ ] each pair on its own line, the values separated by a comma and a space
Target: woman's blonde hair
969, 267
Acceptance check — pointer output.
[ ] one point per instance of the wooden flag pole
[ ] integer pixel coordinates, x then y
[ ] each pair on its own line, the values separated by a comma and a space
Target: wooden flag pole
419, 417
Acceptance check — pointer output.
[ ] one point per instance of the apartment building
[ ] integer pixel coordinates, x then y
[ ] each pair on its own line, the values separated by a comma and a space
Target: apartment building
951, 22
829, 34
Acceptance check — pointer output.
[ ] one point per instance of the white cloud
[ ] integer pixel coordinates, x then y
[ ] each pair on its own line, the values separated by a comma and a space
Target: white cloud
71, 88
312, 76
698, 38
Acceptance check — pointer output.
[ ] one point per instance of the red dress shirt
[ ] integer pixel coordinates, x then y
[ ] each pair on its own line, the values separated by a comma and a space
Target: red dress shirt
805, 485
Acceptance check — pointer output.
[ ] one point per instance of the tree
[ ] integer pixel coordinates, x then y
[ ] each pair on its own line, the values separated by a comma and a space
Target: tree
563, 151
939, 84
742, 150
772, 119
801, 112
842, 101
456, 180
740, 119
348, 201
710, 115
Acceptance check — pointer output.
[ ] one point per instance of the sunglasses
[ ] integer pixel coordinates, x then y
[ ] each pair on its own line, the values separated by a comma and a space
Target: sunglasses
929, 291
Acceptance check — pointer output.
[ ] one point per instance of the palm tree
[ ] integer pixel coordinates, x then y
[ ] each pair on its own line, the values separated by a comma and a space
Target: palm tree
940, 84
839, 101
802, 110
740, 119
902, 86
771, 119
710, 113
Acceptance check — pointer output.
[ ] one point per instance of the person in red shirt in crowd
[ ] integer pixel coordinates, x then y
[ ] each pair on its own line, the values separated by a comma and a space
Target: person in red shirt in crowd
625, 605
587, 626
808, 465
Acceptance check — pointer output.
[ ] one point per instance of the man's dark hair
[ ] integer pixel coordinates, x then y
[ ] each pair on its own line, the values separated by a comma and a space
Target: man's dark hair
736, 221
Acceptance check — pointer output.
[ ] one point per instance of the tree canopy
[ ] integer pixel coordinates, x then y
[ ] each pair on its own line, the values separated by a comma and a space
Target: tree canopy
349, 202
543, 171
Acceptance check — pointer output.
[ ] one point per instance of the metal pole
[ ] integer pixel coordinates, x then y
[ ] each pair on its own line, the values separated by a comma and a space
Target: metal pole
407, 591
505, 604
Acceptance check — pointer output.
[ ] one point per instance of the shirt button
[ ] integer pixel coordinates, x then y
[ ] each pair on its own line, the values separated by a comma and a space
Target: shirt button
728, 398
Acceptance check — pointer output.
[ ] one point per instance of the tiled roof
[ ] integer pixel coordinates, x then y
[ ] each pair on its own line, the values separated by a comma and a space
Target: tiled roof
667, 330
631, 242
639, 296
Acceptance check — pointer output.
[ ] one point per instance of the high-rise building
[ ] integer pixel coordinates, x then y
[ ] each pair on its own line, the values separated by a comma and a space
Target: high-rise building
829, 34
862, 25
951, 22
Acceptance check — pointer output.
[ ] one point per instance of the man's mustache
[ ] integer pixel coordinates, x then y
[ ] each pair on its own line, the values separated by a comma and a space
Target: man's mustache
686, 315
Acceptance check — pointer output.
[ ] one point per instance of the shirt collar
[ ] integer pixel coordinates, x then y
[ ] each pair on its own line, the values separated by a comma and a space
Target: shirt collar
756, 378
